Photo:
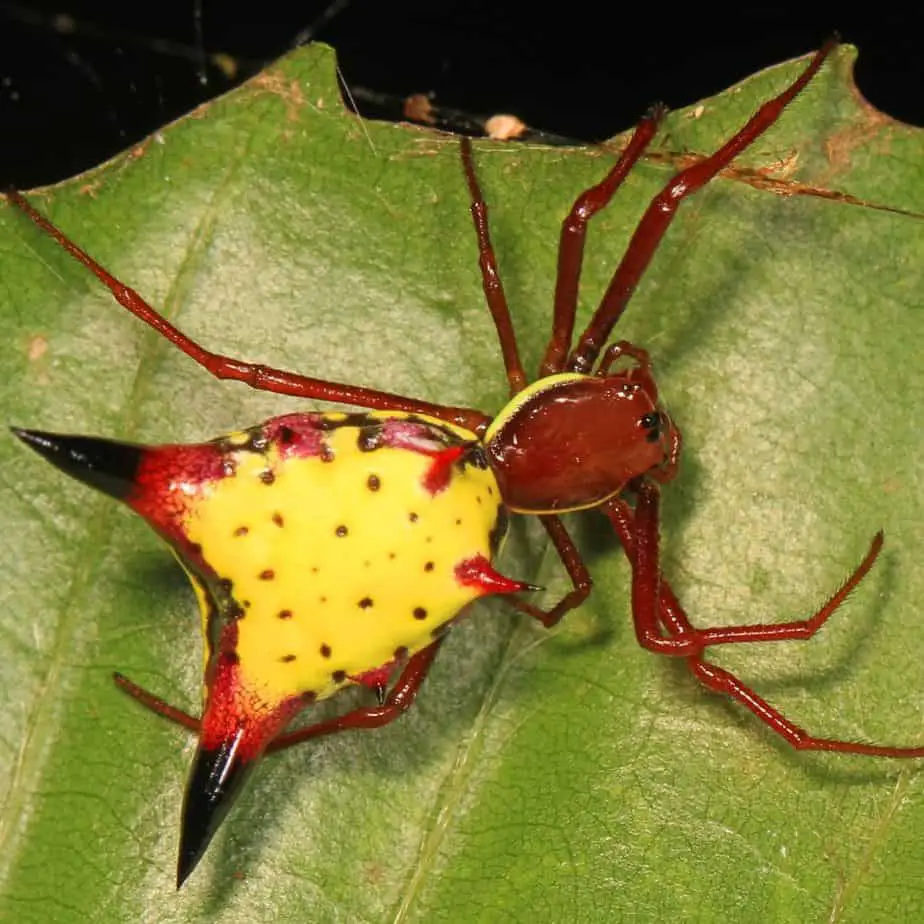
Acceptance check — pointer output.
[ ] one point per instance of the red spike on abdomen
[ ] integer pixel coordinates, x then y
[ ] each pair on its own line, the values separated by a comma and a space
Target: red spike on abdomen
479, 573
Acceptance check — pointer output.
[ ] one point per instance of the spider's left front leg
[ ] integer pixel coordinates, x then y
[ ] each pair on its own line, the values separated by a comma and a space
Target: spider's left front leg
255, 375
662, 625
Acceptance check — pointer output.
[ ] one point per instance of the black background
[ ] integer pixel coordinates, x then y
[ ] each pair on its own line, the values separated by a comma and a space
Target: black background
83, 80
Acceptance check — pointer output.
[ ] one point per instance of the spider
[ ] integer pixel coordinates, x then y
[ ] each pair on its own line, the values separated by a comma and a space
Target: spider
588, 433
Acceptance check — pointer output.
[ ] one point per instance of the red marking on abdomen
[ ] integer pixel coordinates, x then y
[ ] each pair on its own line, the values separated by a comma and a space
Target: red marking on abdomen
376, 678
296, 435
234, 711
172, 480
440, 472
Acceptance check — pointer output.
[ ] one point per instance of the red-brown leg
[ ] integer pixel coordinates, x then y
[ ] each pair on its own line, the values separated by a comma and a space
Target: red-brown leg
660, 213
155, 703
722, 681
615, 352
255, 375
399, 700
573, 234
490, 277
656, 609
638, 533
577, 571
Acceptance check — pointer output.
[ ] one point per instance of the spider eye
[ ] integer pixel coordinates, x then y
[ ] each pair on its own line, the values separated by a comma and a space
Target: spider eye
652, 423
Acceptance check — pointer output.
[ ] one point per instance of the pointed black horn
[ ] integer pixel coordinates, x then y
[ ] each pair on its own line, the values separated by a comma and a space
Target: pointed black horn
107, 465
216, 778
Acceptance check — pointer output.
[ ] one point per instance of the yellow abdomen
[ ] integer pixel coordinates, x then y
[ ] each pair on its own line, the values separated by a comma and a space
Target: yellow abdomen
336, 561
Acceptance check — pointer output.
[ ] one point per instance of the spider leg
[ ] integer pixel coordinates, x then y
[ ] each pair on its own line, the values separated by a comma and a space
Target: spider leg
655, 607
573, 234
256, 375
660, 213
639, 531
397, 702
155, 703
490, 277
577, 571
399, 699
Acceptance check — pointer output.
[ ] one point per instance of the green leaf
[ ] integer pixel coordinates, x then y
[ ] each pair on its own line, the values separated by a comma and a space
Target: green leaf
541, 776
